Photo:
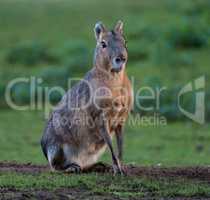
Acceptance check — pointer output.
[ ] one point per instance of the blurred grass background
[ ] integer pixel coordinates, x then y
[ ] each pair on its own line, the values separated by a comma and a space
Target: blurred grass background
168, 44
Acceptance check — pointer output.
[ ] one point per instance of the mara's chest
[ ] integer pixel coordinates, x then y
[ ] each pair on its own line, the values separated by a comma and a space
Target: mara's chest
113, 97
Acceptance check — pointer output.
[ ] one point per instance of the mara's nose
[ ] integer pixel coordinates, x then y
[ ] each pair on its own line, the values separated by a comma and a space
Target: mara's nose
120, 59
118, 63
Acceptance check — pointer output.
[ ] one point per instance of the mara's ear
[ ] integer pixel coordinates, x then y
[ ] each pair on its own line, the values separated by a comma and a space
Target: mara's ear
119, 27
99, 30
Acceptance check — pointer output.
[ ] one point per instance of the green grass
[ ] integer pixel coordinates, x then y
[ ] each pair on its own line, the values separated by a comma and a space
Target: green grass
171, 145
123, 187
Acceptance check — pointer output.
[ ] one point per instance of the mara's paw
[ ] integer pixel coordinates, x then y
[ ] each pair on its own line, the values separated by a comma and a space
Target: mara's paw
118, 169
73, 168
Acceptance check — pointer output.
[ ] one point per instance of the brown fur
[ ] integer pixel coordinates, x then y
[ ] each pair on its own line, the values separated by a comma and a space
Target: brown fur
65, 142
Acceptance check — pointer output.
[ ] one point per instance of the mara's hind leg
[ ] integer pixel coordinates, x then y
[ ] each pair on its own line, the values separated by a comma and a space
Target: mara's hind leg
72, 164
58, 160
55, 157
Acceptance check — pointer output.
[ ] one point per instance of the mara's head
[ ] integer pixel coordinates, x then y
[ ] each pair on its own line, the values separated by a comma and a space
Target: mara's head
110, 53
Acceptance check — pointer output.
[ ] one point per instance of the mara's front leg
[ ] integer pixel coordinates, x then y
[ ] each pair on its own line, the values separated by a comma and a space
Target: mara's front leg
119, 139
103, 127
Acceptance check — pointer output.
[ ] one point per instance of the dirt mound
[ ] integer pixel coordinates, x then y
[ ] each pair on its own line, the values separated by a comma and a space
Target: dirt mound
27, 168
61, 194
67, 194
200, 173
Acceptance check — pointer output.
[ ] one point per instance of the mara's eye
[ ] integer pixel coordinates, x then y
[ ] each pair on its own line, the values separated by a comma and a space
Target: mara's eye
103, 44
